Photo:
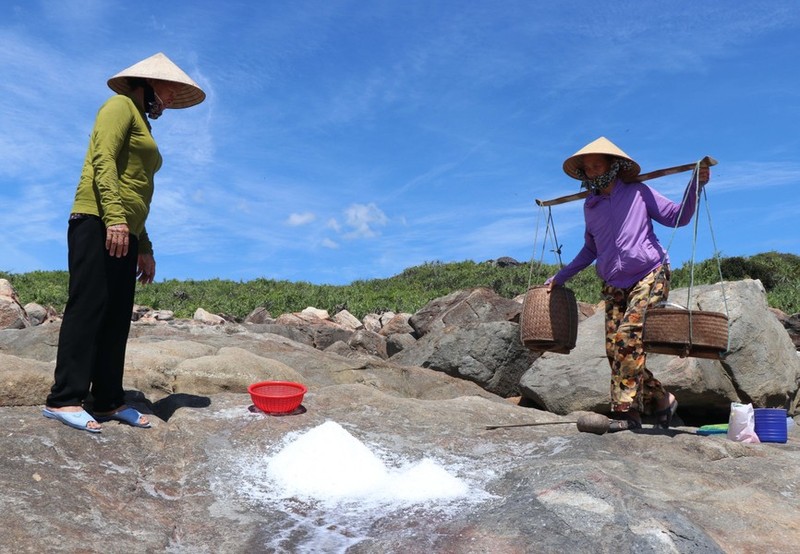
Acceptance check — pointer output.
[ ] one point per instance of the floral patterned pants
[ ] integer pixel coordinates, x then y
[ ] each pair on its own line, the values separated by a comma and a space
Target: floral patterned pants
633, 386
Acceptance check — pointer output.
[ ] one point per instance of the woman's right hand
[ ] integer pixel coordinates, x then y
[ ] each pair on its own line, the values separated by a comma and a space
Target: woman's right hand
117, 239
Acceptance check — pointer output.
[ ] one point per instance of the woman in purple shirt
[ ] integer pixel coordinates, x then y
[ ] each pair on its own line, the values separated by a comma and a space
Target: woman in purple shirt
633, 265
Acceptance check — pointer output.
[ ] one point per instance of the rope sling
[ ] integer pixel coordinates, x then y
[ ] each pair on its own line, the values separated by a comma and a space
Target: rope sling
556, 248
674, 329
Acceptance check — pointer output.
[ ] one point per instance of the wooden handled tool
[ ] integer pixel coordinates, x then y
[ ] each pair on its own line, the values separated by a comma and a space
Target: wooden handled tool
587, 423
535, 424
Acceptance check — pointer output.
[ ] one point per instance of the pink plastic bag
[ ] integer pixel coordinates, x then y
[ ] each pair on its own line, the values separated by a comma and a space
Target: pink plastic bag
742, 424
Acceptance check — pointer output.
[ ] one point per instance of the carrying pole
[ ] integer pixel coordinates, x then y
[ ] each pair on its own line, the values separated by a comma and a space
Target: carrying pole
708, 161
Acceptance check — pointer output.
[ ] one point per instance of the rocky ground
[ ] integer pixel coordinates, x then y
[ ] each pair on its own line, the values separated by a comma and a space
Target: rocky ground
196, 481
200, 480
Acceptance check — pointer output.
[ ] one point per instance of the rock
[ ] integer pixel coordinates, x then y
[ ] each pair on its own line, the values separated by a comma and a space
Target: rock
325, 335
793, 327
37, 314
341, 348
372, 322
397, 324
163, 315
12, 315
490, 354
398, 342
37, 343
385, 318
259, 315
23, 380
138, 312
761, 362
294, 319
347, 320
462, 308
791, 323
370, 342
204, 317
505, 261
316, 312
152, 317
228, 369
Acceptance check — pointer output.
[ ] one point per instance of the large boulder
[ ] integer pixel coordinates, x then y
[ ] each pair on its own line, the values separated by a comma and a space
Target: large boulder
490, 354
23, 380
470, 334
463, 308
761, 365
38, 314
38, 343
790, 322
12, 314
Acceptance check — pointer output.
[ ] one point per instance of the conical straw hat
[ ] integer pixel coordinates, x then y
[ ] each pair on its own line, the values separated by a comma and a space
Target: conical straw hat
162, 68
600, 146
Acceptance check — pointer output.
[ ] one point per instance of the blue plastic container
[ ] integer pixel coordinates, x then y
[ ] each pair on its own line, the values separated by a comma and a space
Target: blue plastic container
770, 424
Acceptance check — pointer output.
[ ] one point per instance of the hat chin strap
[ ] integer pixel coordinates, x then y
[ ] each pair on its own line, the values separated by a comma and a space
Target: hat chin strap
155, 107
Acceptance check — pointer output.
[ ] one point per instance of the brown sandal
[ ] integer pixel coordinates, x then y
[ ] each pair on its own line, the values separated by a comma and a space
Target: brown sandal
623, 425
664, 417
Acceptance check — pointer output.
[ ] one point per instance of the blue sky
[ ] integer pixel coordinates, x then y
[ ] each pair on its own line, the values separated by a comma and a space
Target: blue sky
346, 140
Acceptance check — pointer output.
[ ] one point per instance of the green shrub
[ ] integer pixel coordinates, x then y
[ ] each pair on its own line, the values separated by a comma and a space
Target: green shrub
407, 292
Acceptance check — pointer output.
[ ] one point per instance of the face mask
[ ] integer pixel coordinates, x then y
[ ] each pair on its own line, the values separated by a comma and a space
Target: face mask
600, 182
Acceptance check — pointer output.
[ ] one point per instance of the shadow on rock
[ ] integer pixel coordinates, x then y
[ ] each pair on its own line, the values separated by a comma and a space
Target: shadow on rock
165, 408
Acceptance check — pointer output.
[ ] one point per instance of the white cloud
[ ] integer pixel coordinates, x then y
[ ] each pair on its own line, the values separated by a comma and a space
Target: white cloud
362, 218
296, 220
328, 243
333, 224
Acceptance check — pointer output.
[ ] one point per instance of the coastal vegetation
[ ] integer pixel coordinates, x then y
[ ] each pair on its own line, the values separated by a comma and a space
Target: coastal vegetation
410, 290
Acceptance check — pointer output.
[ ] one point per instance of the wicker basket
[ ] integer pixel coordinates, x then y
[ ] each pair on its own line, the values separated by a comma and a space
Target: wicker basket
682, 332
549, 320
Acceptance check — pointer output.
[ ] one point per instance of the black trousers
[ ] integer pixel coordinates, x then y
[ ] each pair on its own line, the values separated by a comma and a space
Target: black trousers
97, 320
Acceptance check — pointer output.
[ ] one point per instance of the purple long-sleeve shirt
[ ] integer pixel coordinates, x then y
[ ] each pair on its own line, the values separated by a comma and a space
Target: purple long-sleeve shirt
619, 232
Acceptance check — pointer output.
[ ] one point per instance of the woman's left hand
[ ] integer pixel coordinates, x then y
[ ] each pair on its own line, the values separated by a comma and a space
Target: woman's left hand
145, 268
117, 240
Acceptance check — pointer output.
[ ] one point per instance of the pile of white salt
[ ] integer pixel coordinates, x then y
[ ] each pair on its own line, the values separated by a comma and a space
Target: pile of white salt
330, 465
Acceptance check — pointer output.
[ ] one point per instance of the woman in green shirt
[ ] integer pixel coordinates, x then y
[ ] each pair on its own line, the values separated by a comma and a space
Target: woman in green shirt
108, 243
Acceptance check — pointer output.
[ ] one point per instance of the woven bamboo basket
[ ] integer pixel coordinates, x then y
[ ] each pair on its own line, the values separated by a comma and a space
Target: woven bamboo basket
549, 320
683, 333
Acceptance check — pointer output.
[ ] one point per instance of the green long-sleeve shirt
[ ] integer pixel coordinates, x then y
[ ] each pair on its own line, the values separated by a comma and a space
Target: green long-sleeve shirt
116, 183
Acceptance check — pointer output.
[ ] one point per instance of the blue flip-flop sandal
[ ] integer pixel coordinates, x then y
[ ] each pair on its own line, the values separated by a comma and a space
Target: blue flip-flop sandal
78, 420
129, 415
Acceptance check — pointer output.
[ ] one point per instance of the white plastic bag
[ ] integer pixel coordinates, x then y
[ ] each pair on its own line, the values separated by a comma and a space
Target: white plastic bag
742, 424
